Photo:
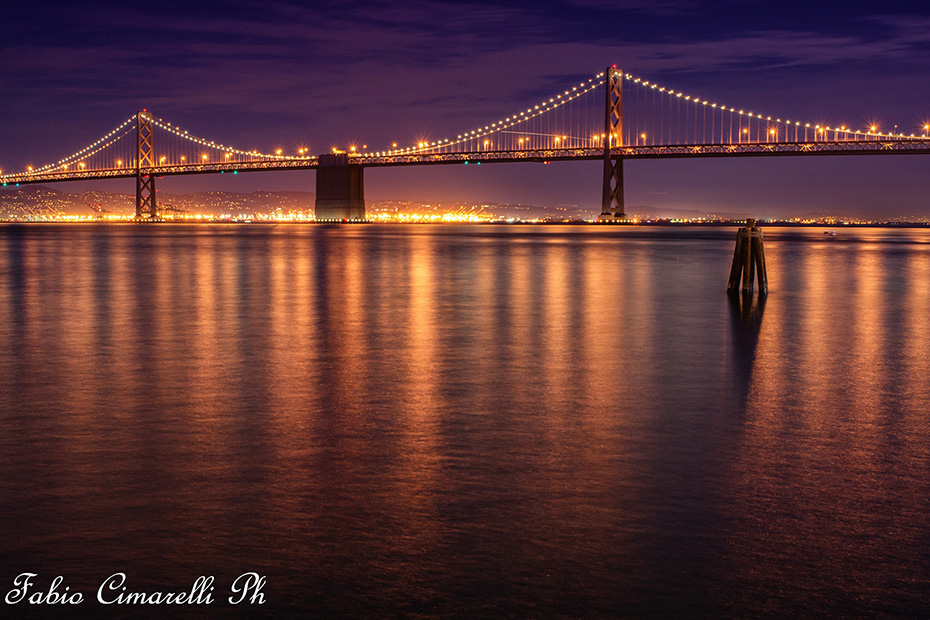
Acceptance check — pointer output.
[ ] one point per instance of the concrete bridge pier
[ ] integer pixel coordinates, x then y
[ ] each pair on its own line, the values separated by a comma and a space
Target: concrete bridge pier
340, 189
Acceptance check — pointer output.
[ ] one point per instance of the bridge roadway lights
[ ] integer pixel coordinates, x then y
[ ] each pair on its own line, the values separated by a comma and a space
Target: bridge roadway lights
340, 189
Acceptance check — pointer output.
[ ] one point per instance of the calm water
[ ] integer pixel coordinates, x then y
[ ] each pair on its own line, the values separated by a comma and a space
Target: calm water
464, 422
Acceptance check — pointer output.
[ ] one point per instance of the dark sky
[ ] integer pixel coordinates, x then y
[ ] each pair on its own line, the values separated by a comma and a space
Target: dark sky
266, 75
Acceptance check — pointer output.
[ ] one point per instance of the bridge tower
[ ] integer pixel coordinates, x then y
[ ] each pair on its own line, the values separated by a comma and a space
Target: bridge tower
145, 158
340, 189
612, 203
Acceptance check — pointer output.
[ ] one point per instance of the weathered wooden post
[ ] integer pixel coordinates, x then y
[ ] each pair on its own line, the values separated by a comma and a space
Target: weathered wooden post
748, 260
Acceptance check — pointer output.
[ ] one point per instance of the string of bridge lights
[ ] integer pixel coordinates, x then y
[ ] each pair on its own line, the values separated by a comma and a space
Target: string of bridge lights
64, 164
508, 122
106, 142
209, 143
594, 82
759, 117
87, 151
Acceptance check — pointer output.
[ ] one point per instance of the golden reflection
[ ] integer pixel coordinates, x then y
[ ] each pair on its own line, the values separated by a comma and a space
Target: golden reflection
121, 316
489, 327
833, 413
348, 323
522, 315
419, 459
871, 271
916, 343
556, 325
422, 327
606, 343
207, 318
288, 326
78, 337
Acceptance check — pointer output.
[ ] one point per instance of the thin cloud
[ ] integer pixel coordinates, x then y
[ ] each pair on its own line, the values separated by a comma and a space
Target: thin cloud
654, 7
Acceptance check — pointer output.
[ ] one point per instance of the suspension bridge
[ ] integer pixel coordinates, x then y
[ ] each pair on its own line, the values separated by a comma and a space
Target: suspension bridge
612, 116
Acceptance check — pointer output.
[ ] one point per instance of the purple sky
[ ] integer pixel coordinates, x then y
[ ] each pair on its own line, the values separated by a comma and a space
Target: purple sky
263, 75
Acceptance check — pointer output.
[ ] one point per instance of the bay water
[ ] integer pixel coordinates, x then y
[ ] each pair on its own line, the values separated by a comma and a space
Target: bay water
466, 421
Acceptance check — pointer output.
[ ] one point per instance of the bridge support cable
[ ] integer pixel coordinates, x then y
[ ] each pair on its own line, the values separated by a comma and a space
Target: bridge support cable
146, 208
612, 199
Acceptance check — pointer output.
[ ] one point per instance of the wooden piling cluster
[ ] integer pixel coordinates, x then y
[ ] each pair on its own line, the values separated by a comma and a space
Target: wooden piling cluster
748, 261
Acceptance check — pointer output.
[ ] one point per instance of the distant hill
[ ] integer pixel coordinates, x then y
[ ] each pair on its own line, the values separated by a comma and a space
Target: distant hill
219, 203
686, 214
39, 200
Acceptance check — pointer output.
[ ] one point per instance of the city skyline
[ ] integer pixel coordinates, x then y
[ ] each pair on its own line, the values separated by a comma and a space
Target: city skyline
288, 77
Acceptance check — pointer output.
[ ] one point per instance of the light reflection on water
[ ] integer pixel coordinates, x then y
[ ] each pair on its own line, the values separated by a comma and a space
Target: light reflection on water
468, 421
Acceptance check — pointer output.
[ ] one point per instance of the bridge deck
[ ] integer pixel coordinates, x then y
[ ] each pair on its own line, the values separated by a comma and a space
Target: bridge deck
911, 146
